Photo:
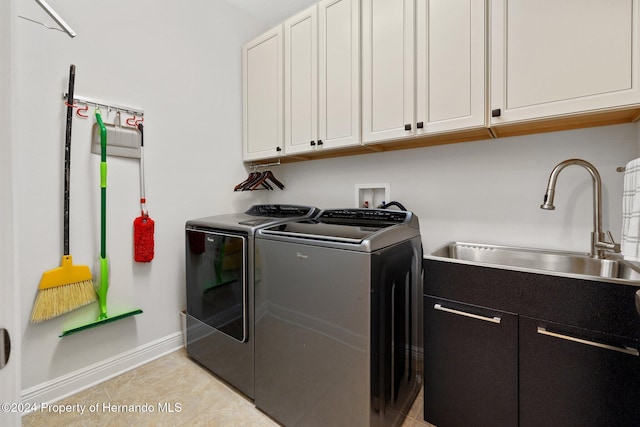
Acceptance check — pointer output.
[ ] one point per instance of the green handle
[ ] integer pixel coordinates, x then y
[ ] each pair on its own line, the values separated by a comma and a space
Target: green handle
103, 186
104, 287
104, 263
103, 174
103, 137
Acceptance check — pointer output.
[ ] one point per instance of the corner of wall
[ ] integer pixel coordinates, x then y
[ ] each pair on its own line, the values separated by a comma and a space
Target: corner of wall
89, 376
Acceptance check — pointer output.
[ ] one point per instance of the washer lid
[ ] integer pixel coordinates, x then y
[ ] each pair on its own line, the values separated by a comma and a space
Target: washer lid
360, 229
281, 211
254, 218
322, 231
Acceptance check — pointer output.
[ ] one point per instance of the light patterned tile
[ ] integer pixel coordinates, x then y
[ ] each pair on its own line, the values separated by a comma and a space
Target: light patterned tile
417, 409
84, 410
197, 398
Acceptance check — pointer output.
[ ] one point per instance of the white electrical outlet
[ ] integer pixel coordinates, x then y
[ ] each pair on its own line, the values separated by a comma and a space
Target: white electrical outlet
372, 195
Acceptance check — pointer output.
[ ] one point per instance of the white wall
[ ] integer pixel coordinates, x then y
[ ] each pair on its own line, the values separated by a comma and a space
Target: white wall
485, 191
9, 374
271, 12
181, 63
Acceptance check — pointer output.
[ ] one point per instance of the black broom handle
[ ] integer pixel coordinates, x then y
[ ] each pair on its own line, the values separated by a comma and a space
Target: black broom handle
67, 158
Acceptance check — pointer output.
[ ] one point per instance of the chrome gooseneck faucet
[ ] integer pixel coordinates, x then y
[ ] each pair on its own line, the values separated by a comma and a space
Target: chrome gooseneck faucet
598, 243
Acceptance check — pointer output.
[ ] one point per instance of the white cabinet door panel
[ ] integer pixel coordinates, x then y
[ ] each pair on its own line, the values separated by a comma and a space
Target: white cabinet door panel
262, 80
450, 55
339, 73
560, 57
322, 77
387, 69
301, 81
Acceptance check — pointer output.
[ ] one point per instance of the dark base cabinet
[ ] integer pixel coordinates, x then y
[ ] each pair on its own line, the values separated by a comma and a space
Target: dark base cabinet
563, 354
471, 365
575, 377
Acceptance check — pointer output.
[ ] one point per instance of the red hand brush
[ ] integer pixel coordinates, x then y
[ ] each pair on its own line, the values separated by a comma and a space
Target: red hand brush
143, 226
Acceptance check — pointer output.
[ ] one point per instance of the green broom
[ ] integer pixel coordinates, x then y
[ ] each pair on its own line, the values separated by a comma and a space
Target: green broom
69, 286
103, 285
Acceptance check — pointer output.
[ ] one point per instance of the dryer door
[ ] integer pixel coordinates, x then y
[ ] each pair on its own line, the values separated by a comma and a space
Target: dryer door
217, 280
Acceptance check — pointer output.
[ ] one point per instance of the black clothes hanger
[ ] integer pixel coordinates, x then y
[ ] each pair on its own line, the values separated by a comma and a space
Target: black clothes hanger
273, 179
260, 180
247, 184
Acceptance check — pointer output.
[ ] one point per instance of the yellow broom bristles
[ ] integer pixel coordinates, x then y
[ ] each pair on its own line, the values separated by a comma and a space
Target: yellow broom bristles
54, 301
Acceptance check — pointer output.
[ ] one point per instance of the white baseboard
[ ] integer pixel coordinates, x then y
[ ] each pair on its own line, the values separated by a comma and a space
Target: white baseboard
82, 379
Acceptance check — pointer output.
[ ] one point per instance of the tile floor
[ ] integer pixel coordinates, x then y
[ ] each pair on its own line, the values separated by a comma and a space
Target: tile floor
170, 391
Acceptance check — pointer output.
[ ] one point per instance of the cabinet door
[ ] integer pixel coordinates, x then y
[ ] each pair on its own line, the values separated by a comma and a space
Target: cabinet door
450, 64
387, 69
262, 96
339, 73
470, 364
301, 81
574, 377
551, 58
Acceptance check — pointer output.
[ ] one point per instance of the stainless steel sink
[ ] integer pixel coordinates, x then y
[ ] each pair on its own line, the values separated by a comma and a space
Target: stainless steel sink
540, 260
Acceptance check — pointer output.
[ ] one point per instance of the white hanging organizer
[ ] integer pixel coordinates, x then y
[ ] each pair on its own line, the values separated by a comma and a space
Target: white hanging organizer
123, 140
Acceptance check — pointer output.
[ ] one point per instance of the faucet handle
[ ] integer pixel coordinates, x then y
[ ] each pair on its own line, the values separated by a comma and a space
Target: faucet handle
616, 246
610, 245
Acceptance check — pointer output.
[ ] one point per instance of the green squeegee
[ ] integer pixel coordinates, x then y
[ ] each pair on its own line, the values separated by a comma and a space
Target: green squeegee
102, 285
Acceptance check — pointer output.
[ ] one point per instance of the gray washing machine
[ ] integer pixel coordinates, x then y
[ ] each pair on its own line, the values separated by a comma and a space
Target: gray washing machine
338, 326
220, 292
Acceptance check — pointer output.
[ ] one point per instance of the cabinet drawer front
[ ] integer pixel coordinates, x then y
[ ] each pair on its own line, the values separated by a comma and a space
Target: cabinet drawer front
579, 377
599, 306
471, 365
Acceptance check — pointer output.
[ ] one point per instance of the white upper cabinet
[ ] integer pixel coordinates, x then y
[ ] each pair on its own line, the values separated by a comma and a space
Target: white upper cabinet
321, 77
262, 96
339, 73
387, 69
423, 67
553, 58
344, 73
450, 65
301, 81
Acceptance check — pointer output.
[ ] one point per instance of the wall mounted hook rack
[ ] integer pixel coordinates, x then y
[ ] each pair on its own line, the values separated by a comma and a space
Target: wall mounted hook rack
109, 106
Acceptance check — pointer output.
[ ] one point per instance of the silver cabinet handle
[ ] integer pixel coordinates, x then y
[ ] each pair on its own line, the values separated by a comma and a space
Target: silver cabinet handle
626, 350
464, 313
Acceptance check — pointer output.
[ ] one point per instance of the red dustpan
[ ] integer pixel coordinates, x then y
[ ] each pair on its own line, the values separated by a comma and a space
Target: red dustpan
143, 226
